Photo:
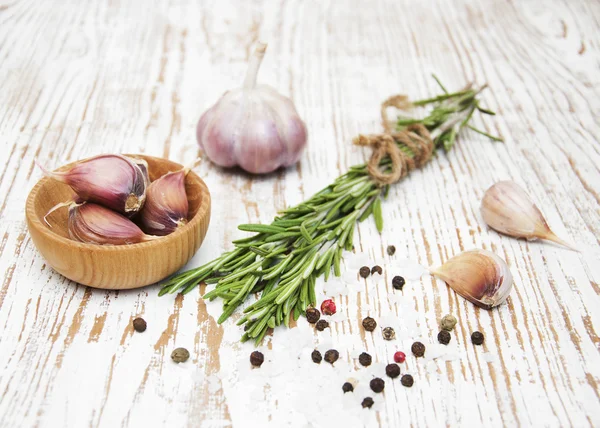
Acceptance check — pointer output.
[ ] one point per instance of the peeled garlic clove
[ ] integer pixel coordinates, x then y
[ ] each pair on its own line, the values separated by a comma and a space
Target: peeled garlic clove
166, 206
114, 181
507, 208
254, 127
479, 276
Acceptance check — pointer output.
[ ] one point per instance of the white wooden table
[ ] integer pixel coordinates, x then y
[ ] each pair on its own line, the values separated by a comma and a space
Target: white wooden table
82, 78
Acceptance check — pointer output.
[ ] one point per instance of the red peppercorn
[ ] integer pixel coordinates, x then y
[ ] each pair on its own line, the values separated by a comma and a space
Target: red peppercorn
399, 357
328, 307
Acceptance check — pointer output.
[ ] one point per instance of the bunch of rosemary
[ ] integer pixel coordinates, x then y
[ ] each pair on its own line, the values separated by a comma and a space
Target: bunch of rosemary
283, 259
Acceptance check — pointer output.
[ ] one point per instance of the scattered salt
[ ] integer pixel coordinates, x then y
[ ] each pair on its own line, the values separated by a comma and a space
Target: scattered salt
489, 357
350, 277
338, 317
289, 371
356, 261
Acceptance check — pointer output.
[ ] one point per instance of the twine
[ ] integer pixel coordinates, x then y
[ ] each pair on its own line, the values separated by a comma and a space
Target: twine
415, 137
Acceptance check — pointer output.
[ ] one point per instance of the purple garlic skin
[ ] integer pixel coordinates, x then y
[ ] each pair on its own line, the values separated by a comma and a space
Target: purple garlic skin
166, 206
253, 127
114, 181
93, 224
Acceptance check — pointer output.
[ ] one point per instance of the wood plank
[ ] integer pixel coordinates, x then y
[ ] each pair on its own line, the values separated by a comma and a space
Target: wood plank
83, 79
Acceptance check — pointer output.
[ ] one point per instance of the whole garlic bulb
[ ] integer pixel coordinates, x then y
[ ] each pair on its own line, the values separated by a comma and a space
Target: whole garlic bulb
507, 208
254, 126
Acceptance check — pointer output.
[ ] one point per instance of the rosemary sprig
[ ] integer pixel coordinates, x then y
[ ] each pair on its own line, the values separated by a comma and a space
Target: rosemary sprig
282, 260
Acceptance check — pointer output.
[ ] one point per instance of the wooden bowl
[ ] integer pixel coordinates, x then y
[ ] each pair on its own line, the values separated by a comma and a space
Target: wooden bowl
116, 267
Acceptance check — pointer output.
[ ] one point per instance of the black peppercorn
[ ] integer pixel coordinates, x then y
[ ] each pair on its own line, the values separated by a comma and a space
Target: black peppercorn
369, 324
407, 380
376, 269
391, 250
180, 355
347, 387
477, 338
444, 337
365, 359
312, 315
331, 356
322, 325
418, 349
257, 358
389, 333
392, 370
367, 402
377, 384
364, 271
139, 325
316, 356
398, 282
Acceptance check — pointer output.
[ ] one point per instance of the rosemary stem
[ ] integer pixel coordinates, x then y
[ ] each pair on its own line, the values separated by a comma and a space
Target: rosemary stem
304, 242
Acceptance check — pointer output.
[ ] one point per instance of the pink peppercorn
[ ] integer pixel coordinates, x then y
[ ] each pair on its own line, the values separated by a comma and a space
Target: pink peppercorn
399, 357
328, 307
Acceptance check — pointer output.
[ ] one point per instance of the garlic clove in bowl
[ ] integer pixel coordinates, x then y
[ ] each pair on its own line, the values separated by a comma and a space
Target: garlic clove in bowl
117, 267
114, 181
166, 206
479, 276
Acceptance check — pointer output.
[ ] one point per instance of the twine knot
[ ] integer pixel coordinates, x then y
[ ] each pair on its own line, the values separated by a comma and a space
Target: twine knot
415, 137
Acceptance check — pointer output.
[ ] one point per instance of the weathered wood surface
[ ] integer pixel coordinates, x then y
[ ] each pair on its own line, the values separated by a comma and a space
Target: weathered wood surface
81, 78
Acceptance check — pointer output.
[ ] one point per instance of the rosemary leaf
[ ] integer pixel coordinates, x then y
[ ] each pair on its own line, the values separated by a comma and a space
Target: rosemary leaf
377, 215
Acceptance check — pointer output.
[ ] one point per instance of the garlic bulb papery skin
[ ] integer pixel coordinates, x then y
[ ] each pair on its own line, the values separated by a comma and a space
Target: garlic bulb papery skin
479, 276
253, 127
114, 181
143, 166
166, 206
94, 224
507, 208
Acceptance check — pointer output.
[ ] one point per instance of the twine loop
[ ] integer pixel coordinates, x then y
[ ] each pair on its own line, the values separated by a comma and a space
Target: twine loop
415, 137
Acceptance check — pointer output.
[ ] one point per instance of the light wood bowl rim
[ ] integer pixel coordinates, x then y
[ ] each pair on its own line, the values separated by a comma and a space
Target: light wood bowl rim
40, 226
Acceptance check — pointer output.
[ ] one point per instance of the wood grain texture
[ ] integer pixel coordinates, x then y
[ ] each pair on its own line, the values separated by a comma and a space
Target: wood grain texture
84, 78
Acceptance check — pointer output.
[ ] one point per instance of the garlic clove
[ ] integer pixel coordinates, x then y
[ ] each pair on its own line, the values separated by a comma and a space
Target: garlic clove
166, 206
479, 276
261, 149
94, 224
507, 208
292, 130
114, 181
254, 127
216, 131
